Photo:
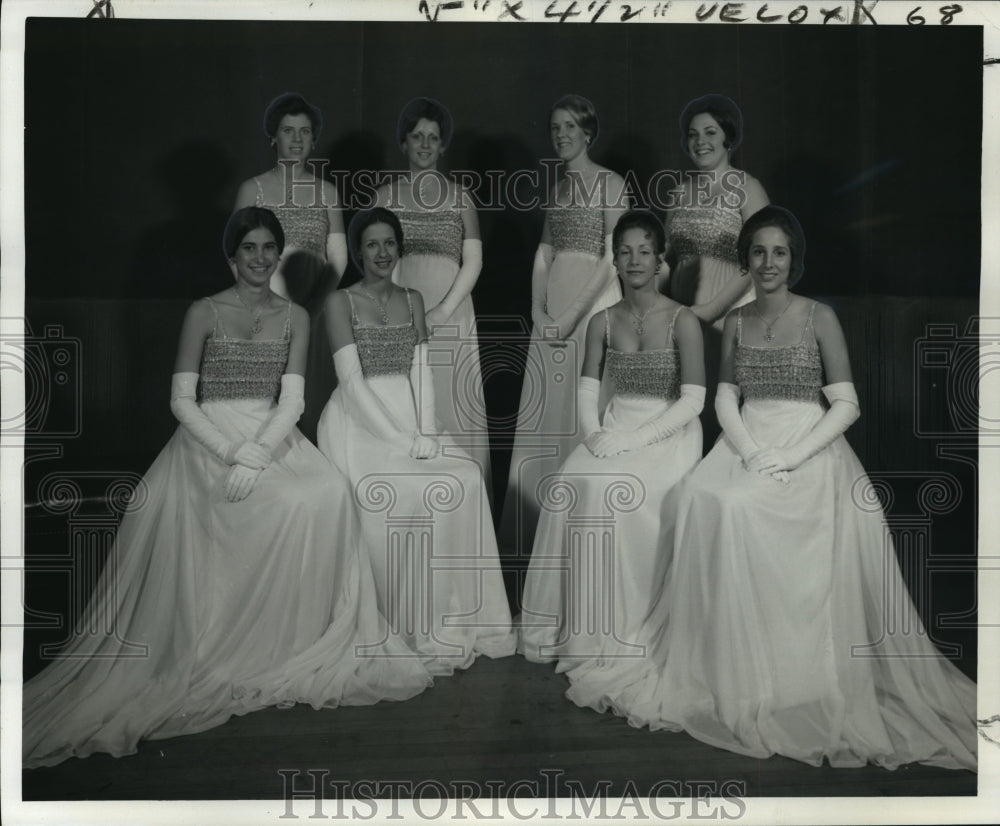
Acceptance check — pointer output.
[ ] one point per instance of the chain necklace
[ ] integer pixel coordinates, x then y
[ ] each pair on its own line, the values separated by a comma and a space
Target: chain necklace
768, 335
639, 320
381, 305
258, 326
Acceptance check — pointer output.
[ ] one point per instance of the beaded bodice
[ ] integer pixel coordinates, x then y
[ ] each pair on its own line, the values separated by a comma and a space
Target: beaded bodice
384, 350
305, 228
651, 373
234, 368
577, 229
708, 231
433, 233
790, 373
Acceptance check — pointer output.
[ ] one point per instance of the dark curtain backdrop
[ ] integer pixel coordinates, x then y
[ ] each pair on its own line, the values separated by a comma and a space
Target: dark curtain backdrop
137, 134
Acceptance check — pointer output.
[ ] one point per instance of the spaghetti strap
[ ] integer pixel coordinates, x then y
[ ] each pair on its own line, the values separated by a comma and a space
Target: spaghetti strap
260, 193
218, 320
409, 302
809, 324
607, 328
670, 331
288, 322
354, 315
739, 325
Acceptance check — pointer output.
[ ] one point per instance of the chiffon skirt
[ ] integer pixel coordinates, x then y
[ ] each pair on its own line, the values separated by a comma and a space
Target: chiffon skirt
220, 608
547, 426
603, 545
428, 533
786, 627
453, 353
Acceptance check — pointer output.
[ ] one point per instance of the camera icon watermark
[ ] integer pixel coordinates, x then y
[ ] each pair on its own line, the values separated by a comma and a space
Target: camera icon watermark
51, 367
547, 406
950, 368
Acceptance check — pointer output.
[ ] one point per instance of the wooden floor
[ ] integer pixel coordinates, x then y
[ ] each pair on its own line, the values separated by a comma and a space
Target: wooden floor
500, 722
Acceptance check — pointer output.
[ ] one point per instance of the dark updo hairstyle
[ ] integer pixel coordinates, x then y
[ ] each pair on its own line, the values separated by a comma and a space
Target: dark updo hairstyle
781, 218
726, 113
246, 220
291, 103
646, 221
583, 113
427, 109
367, 218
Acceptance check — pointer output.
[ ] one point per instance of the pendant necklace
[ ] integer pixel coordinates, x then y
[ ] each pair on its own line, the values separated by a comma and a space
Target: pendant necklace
640, 320
258, 326
381, 305
768, 335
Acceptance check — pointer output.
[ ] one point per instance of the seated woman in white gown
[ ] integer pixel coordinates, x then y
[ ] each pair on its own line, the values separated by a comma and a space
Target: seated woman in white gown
236, 580
598, 561
425, 517
785, 627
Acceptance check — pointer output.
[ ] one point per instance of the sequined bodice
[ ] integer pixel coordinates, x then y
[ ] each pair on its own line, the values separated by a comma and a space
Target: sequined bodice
577, 229
655, 373
433, 233
235, 369
305, 228
790, 373
384, 350
651, 373
708, 231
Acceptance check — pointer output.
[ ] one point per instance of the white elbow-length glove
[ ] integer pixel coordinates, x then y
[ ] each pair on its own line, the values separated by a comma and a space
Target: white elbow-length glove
283, 417
843, 412
363, 404
184, 406
588, 393
544, 256
425, 445
291, 404
687, 408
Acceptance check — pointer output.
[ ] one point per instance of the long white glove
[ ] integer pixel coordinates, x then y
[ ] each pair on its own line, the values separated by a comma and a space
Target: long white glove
240, 482
844, 411
184, 406
571, 316
465, 278
727, 411
291, 404
687, 408
364, 404
682, 411
424, 445
588, 393
336, 252
544, 256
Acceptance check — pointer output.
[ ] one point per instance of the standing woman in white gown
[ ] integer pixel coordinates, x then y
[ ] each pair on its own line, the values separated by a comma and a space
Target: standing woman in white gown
703, 222
573, 278
786, 627
425, 516
706, 212
307, 205
236, 580
443, 258
603, 542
